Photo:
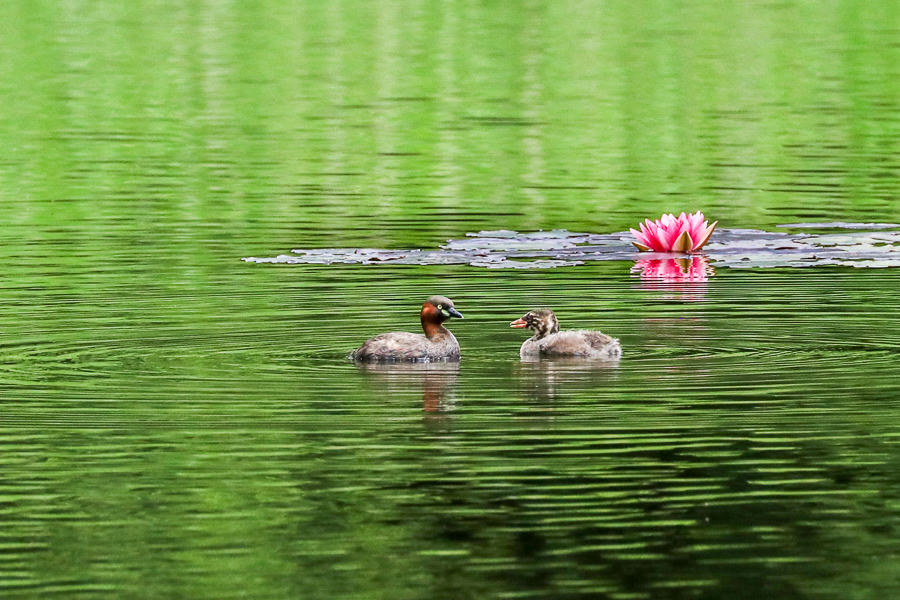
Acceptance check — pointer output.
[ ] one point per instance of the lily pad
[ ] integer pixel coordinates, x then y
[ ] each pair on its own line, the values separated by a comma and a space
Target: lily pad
863, 245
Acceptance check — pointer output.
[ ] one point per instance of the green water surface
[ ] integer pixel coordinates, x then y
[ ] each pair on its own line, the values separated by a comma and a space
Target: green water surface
176, 423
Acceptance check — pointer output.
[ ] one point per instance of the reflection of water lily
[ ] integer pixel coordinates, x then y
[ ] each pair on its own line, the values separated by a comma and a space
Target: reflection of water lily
688, 269
685, 233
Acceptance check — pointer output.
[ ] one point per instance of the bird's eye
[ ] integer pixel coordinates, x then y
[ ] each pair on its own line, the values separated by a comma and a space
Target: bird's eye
440, 306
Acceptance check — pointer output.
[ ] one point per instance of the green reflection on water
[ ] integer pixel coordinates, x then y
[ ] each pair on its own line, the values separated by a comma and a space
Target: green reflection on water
405, 124
178, 423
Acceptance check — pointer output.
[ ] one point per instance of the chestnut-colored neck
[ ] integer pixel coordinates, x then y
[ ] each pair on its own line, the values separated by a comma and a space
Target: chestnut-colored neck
431, 321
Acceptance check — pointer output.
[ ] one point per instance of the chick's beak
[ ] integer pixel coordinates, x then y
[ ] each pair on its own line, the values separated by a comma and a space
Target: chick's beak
518, 324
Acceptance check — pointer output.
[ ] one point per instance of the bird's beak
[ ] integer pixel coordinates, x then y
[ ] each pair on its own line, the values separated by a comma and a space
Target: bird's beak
519, 324
453, 312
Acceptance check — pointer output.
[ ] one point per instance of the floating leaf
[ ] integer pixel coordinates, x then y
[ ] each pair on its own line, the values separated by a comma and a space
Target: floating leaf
856, 246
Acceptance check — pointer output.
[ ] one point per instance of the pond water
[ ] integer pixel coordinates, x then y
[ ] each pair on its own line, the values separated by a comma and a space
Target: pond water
177, 422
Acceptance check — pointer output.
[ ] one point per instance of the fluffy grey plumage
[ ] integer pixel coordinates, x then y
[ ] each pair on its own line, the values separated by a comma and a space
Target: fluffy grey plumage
549, 341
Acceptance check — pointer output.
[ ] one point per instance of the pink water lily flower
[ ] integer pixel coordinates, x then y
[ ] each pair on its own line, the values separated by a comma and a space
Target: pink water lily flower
685, 233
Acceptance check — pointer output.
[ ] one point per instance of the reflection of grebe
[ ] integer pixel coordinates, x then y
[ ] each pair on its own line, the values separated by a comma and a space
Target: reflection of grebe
549, 341
437, 379
543, 379
437, 343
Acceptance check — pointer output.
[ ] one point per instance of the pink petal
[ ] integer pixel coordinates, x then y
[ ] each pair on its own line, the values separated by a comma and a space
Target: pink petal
702, 224
695, 219
706, 235
680, 229
665, 239
656, 238
642, 238
659, 234
691, 222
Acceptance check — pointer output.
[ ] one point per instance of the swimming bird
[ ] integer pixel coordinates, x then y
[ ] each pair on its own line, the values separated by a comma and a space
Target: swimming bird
437, 343
549, 341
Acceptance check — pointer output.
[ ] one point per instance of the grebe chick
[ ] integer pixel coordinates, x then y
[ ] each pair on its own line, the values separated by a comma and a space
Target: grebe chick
549, 341
437, 343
